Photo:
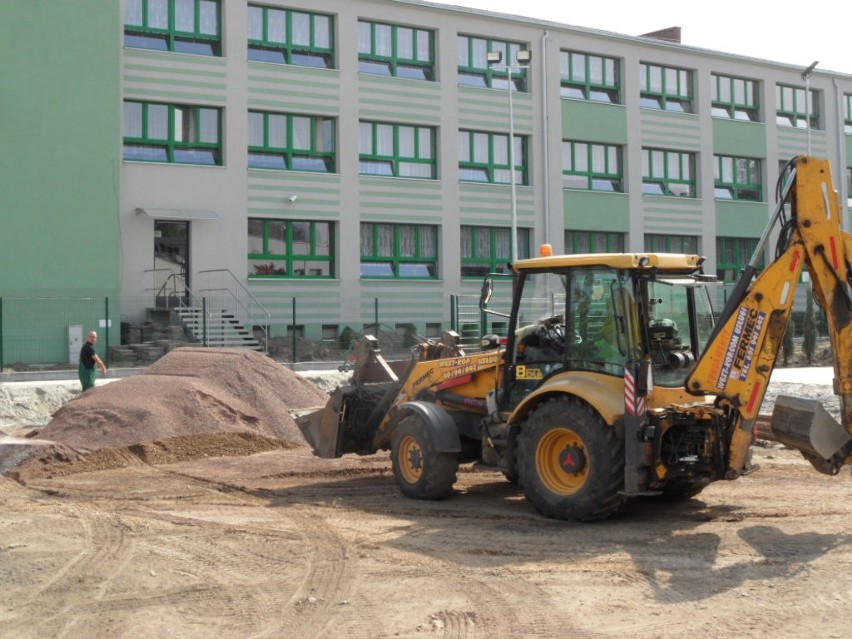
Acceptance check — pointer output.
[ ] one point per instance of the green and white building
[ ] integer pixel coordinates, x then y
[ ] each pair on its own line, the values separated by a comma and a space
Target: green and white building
324, 162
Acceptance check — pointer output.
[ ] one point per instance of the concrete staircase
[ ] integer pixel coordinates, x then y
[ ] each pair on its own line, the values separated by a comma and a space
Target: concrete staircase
223, 329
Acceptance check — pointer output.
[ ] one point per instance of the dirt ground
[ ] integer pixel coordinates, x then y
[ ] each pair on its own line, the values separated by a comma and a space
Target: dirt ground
281, 544
251, 540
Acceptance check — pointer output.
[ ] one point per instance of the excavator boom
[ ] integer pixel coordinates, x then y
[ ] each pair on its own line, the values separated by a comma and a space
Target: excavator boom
741, 354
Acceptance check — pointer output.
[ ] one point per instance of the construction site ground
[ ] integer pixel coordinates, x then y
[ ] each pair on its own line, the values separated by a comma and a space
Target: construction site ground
163, 542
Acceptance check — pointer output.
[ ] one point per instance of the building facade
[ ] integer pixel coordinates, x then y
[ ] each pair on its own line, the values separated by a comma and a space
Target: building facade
321, 158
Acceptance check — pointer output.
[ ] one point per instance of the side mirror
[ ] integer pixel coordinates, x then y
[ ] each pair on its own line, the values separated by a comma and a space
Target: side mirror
485, 294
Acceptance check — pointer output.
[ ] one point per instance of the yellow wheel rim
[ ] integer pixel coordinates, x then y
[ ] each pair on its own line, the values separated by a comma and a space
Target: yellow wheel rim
410, 459
562, 461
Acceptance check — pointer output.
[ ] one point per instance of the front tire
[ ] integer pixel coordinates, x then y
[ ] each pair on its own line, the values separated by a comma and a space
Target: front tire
570, 463
420, 469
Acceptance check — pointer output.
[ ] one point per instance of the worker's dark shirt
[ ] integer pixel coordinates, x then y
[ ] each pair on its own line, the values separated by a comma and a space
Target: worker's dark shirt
87, 355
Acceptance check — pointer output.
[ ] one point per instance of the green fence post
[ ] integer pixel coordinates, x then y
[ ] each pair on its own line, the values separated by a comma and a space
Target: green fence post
1, 334
106, 328
454, 320
204, 321
376, 314
295, 358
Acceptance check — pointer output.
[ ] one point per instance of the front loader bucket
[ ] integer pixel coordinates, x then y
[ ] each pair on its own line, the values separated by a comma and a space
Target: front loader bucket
349, 421
805, 425
321, 429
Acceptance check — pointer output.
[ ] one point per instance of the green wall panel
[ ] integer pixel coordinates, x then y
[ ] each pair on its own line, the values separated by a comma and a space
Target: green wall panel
592, 211
740, 139
740, 219
608, 121
60, 134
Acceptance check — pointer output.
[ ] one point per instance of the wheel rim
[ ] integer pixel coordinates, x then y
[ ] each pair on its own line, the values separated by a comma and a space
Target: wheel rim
562, 461
410, 459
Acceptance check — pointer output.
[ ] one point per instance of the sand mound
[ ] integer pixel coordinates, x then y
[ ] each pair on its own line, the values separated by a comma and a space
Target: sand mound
185, 402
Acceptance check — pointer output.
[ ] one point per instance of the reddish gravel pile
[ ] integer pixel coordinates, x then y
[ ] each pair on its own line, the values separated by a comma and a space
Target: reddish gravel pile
192, 402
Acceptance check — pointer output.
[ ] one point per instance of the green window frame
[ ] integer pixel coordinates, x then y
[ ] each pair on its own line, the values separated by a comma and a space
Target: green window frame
484, 157
594, 242
398, 150
179, 134
734, 98
663, 243
591, 166
281, 248
395, 50
737, 178
792, 107
488, 249
732, 255
847, 113
668, 173
585, 76
475, 71
182, 26
401, 251
291, 142
287, 36
666, 88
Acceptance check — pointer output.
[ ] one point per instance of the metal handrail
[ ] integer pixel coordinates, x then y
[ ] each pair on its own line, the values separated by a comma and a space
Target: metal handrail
254, 302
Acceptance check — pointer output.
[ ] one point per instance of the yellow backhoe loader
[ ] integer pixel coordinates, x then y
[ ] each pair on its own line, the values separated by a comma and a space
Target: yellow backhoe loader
616, 379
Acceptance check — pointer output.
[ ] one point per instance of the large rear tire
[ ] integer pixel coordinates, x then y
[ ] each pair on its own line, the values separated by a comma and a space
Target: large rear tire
570, 463
420, 469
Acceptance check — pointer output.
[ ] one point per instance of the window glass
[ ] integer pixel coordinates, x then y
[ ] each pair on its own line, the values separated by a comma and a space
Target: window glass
276, 26
301, 28
158, 121
185, 15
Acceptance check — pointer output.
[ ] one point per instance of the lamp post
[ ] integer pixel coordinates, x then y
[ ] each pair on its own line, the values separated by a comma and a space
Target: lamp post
522, 57
806, 76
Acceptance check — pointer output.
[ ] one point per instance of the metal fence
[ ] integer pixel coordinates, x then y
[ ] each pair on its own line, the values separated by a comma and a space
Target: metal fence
48, 332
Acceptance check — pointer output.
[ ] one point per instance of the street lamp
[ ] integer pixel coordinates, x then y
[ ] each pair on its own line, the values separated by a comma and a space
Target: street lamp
522, 58
806, 76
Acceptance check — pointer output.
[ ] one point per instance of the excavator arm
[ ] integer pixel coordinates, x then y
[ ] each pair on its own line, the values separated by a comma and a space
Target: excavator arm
740, 355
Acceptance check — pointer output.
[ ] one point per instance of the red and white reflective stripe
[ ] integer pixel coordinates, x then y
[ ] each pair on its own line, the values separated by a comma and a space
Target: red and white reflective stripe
634, 402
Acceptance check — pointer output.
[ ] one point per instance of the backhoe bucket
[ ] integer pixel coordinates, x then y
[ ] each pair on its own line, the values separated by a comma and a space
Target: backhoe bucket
805, 425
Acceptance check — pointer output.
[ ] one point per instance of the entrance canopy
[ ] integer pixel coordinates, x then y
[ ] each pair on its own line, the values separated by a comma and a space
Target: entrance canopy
177, 214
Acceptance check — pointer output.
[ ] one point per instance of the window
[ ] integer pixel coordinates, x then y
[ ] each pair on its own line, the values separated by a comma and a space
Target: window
849, 186
793, 108
292, 142
290, 248
658, 243
398, 150
594, 167
737, 179
399, 250
593, 242
484, 157
668, 173
589, 77
185, 26
475, 71
290, 37
330, 332
665, 88
732, 254
734, 98
847, 113
386, 49
487, 249
181, 134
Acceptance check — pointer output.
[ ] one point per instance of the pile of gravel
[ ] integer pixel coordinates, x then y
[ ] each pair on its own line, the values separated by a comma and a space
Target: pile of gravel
190, 403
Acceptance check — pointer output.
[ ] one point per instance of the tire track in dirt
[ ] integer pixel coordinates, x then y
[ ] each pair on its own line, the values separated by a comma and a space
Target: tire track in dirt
46, 611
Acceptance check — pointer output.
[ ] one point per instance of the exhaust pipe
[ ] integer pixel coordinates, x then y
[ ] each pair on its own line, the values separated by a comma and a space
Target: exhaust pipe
805, 425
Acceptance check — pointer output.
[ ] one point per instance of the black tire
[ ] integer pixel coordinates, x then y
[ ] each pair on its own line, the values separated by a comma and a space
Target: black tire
570, 463
420, 469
